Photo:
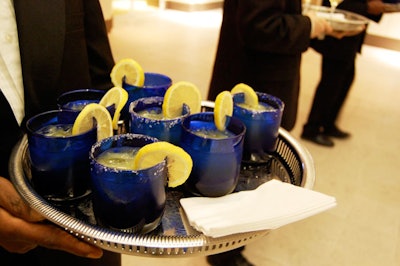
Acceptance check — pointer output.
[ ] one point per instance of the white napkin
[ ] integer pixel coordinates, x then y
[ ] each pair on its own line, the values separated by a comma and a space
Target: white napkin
271, 205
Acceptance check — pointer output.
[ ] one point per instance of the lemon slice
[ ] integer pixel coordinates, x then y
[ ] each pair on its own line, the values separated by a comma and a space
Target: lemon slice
117, 96
250, 96
130, 69
223, 108
85, 121
179, 162
180, 93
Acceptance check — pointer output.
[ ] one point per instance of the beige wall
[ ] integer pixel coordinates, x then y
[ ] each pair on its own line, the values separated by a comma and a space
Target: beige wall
106, 6
388, 27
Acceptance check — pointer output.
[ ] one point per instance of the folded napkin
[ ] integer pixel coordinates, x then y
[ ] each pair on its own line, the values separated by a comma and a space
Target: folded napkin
272, 205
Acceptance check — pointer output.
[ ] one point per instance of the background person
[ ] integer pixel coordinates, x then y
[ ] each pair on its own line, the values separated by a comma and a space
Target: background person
260, 44
337, 75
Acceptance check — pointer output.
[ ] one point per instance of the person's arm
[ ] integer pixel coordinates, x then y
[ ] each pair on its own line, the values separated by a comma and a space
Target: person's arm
371, 9
389, 7
277, 26
23, 229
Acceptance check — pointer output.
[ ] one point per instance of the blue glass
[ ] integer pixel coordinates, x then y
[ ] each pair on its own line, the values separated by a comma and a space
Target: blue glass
76, 100
162, 129
155, 84
127, 200
262, 127
59, 164
216, 162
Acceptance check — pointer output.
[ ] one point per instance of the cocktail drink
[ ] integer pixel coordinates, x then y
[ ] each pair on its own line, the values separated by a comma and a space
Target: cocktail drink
216, 154
262, 126
334, 4
155, 84
76, 100
59, 161
125, 199
147, 119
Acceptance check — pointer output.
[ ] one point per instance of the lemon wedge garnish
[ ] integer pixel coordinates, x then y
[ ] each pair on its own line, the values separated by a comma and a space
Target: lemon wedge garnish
117, 96
250, 96
130, 69
85, 121
179, 162
180, 93
223, 108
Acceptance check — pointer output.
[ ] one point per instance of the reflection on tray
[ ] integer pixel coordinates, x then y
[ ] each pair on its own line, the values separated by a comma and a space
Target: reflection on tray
174, 237
174, 222
340, 20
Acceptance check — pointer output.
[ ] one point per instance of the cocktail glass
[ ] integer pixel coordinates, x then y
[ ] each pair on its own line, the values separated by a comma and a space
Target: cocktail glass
124, 199
147, 119
216, 155
59, 161
76, 100
155, 84
262, 126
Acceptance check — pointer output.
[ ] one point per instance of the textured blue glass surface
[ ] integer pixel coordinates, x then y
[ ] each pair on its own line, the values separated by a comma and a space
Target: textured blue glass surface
216, 162
76, 100
262, 127
59, 165
162, 129
126, 199
155, 84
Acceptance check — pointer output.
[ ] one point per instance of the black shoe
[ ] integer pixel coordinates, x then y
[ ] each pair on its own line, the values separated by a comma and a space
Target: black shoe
236, 260
319, 139
336, 133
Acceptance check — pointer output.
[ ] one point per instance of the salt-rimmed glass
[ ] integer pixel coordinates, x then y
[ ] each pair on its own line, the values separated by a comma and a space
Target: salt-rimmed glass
76, 100
147, 119
262, 126
59, 161
155, 84
124, 199
216, 159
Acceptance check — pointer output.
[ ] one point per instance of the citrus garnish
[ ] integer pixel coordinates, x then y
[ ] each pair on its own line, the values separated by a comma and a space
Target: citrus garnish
250, 96
179, 162
85, 121
223, 108
117, 96
180, 93
130, 69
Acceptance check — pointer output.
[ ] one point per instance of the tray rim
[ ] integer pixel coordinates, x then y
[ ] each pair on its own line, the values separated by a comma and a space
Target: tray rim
137, 244
360, 20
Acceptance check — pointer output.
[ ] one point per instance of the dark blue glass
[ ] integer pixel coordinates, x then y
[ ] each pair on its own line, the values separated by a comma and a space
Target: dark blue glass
155, 84
162, 129
216, 162
127, 200
76, 100
59, 165
262, 127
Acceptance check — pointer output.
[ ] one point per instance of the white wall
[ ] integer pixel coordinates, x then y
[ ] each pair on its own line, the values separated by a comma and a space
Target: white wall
106, 6
389, 26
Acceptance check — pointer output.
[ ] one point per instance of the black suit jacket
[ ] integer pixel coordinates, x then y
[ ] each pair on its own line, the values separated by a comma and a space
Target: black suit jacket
260, 44
63, 46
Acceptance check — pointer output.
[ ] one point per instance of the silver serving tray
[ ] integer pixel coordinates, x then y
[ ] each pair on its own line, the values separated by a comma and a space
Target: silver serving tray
340, 20
174, 236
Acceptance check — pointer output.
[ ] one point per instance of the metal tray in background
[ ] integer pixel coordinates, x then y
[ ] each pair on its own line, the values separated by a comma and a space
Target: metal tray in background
174, 237
340, 20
